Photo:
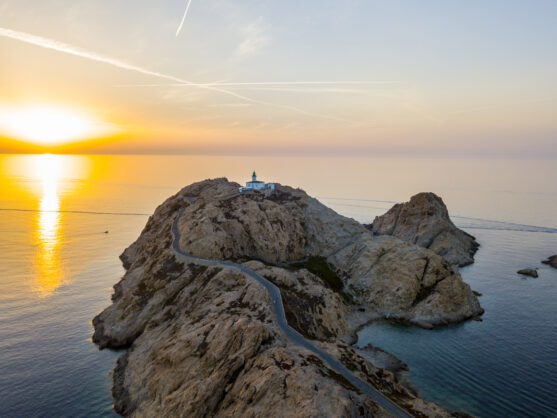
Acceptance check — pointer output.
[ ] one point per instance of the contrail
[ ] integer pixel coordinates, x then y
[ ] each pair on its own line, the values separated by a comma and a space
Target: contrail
183, 18
268, 83
73, 50
303, 83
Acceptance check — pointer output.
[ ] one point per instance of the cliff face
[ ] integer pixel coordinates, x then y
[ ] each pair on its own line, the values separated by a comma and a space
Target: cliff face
425, 221
204, 340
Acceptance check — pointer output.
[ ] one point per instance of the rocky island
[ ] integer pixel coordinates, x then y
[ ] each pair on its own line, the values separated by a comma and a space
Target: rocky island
213, 279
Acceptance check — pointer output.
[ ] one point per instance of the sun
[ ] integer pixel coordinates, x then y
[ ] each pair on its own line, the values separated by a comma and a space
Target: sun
50, 125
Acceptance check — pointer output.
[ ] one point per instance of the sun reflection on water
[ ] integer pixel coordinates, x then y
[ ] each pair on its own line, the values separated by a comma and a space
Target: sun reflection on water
49, 272
44, 184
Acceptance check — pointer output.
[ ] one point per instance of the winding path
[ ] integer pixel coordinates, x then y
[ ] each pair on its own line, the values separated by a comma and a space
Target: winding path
291, 334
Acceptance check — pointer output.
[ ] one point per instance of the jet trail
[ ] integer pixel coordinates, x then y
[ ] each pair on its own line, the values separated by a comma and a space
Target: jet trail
73, 50
269, 83
183, 19
302, 83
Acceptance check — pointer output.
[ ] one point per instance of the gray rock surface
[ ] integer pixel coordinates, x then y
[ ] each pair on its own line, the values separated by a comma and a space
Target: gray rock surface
551, 261
425, 221
204, 341
529, 272
398, 280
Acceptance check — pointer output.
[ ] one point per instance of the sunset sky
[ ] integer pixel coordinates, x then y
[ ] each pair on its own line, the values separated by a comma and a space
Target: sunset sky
361, 77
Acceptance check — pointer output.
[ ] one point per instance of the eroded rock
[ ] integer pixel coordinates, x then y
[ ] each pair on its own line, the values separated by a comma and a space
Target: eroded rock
529, 272
398, 280
425, 221
551, 261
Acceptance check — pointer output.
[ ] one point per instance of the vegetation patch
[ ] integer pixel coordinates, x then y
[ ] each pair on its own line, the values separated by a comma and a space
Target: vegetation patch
319, 266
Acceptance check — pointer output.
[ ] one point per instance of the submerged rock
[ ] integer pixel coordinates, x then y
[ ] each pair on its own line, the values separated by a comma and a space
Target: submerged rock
529, 272
551, 261
205, 341
425, 221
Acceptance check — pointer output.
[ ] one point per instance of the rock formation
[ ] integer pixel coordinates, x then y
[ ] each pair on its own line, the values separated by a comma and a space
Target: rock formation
425, 221
204, 340
551, 261
529, 272
398, 280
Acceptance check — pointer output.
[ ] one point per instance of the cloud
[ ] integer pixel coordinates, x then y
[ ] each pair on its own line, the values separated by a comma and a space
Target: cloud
255, 39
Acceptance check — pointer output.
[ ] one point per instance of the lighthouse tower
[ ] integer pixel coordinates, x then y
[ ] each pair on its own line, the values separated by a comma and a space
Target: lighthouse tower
254, 184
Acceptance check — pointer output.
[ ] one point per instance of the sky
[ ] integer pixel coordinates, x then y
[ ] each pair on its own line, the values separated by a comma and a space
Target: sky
318, 77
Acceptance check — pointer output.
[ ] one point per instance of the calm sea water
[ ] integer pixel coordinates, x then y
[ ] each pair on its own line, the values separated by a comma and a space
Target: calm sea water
57, 268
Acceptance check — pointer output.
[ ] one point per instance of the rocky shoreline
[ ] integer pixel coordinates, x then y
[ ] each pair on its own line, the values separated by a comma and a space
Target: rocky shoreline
204, 341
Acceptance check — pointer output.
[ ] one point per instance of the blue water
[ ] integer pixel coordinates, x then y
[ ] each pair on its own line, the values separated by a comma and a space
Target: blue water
49, 365
503, 366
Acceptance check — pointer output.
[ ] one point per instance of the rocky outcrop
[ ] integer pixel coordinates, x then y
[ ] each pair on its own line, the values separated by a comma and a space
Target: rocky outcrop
204, 340
425, 221
314, 310
529, 272
212, 348
551, 261
397, 280
284, 227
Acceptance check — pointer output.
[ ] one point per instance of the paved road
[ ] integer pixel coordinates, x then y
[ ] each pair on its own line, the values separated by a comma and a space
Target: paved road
292, 335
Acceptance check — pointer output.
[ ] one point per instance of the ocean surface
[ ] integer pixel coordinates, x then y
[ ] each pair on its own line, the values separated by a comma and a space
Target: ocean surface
64, 220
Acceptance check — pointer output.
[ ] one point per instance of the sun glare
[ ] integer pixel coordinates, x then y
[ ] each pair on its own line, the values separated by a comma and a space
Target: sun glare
45, 184
48, 232
50, 125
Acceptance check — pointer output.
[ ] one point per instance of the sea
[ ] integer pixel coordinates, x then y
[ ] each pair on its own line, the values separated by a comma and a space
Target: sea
65, 219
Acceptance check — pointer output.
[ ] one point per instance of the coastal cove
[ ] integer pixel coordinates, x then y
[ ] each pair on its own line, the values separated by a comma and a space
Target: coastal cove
504, 365
517, 330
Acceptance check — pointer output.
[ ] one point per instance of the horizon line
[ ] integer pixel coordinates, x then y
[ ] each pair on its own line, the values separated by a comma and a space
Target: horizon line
283, 154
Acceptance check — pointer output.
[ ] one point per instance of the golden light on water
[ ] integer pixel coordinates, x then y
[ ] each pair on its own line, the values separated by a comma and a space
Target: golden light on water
44, 184
49, 273
50, 125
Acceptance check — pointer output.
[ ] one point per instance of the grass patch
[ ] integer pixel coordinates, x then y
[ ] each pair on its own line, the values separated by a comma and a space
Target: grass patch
321, 268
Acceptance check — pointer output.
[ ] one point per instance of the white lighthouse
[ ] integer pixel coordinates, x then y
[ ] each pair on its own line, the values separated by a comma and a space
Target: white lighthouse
255, 185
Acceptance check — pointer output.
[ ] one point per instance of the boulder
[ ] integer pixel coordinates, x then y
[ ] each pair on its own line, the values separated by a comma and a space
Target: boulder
551, 261
529, 272
425, 221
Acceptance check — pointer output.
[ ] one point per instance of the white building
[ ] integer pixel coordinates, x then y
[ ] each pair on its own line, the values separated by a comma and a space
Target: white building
254, 184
